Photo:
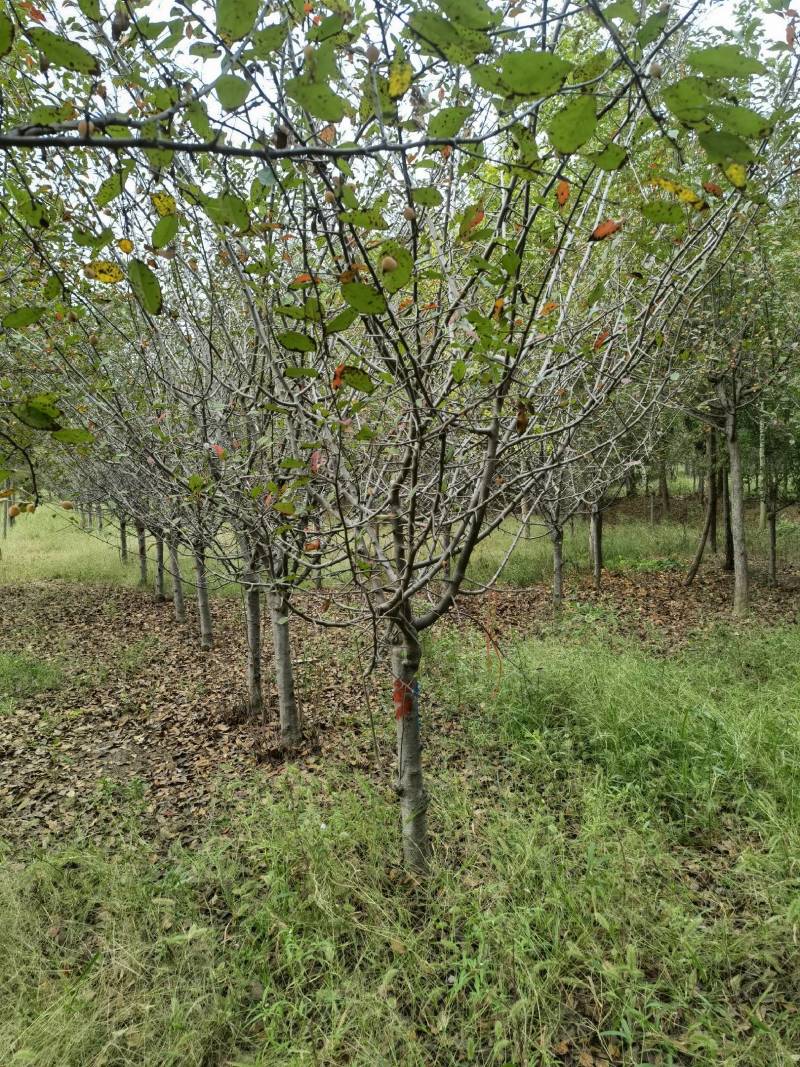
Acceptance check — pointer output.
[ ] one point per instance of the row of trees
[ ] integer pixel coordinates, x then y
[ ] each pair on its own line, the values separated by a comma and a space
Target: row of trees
328, 299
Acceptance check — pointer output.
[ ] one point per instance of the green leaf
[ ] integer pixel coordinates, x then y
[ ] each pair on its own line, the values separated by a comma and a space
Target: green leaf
652, 29
622, 9
91, 9
6, 33
16, 320
688, 100
40, 412
370, 219
742, 121
426, 196
235, 18
573, 125
111, 187
227, 210
401, 275
447, 122
73, 435
318, 99
231, 91
527, 74
436, 36
612, 157
660, 212
474, 14
723, 61
720, 147
295, 341
268, 40
197, 115
146, 286
53, 288
400, 75
204, 50
342, 321
285, 507
165, 231
459, 371
358, 379
66, 54
365, 299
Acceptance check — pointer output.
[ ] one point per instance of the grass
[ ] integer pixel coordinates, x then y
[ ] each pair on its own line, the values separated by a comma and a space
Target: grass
617, 867
616, 872
23, 676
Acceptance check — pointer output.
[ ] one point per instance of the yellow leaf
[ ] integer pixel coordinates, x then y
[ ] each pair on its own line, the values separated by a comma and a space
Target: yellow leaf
103, 270
736, 173
125, 245
400, 75
163, 203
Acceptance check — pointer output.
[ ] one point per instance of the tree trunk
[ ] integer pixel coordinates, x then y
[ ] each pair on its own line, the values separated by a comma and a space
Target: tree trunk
291, 730
406, 655
252, 611
698, 556
141, 538
160, 590
652, 509
741, 595
726, 511
123, 539
99, 516
711, 453
178, 603
557, 537
596, 543
663, 489
772, 562
762, 471
203, 606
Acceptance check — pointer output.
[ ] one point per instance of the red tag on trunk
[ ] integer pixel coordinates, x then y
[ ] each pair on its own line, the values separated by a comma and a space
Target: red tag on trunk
403, 697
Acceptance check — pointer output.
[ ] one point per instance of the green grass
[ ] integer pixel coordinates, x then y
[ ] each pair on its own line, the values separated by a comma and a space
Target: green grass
617, 866
23, 676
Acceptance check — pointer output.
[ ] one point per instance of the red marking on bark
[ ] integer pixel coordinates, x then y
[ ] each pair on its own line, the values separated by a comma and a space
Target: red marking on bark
403, 698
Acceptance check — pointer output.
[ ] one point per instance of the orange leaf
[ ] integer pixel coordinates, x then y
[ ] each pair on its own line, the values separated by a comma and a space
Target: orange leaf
522, 418
601, 339
328, 135
562, 192
551, 305
301, 279
713, 188
604, 230
312, 546
338, 377
497, 310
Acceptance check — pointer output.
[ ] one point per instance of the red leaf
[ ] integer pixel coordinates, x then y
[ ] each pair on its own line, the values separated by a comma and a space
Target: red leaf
562, 192
601, 339
604, 230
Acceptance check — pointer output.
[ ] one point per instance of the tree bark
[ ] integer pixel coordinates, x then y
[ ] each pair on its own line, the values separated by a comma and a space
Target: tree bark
772, 561
406, 655
762, 471
160, 588
557, 537
596, 543
252, 611
663, 489
123, 539
178, 602
99, 516
203, 605
726, 511
652, 509
741, 593
698, 556
141, 538
291, 730
711, 454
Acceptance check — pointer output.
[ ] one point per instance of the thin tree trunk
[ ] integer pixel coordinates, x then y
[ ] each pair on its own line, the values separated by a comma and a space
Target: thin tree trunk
762, 470
178, 603
663, 489
652, 509
141, 538
291, 730
252, 611
557, 537
711, 451
726, 511
123, 539
772, 562
203, 605
160, 589
596, 543
406, 655
99, 516
698, 556
741, 595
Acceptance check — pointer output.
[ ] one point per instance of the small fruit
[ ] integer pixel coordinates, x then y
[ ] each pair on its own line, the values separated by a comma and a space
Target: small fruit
409, 213
85, 128
656, 70
373, 54
13, 511
388, 264
330, 196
